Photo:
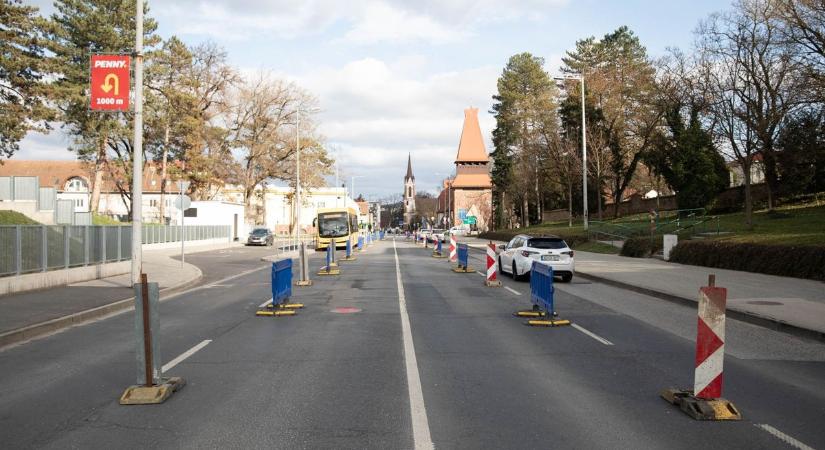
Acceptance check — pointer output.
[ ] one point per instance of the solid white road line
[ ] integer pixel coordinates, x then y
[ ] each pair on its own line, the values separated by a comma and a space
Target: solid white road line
783, 437
265, 303
512, 290
166, 367
420, 425
481, 273
591, 334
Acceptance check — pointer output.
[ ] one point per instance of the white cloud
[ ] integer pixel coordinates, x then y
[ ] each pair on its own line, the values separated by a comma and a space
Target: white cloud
365, 21
376, 114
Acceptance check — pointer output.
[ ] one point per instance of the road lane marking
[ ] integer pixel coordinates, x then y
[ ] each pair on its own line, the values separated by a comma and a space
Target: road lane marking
783, 437
420, 425
481, 273
512, 290
265, 303
591, 334
168, 366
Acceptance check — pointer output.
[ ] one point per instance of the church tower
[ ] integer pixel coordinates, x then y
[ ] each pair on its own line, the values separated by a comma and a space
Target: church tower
409, 194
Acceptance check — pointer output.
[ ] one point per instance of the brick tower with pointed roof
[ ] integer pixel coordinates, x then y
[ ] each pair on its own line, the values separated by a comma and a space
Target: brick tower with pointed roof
409, 193
472, 187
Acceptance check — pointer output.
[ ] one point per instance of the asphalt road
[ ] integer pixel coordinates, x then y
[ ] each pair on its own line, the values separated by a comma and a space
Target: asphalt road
343, 372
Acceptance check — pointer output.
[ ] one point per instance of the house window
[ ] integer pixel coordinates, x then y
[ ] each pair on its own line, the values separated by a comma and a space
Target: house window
76, 184
153, 203
322, 205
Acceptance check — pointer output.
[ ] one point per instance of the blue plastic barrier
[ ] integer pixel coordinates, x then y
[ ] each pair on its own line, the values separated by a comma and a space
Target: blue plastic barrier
438, 250
281, 281
463, 255
541, 286
381, 235
360, 243
329, 255
349, 248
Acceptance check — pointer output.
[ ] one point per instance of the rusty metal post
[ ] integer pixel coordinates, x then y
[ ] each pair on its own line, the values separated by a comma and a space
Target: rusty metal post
147, 332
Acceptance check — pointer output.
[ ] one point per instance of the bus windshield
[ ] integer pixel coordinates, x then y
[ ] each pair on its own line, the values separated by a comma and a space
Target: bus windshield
332, 225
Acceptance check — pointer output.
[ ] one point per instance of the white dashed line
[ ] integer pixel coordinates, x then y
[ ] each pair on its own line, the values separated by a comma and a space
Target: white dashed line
265, 303
420, 425
512, 290
591, 334
168, 366
481, 273
783, 437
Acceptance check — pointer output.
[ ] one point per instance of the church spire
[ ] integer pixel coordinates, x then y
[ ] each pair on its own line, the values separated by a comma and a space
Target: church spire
409, 168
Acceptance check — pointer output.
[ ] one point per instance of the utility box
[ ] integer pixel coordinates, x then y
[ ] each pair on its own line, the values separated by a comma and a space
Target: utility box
670, 241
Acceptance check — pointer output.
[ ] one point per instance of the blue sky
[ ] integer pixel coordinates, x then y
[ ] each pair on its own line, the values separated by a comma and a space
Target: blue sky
394, 76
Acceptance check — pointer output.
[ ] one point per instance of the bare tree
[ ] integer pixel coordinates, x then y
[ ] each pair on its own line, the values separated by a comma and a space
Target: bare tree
757, 81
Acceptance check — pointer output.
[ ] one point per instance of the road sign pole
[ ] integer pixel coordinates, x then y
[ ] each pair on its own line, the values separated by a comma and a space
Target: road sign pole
137, 157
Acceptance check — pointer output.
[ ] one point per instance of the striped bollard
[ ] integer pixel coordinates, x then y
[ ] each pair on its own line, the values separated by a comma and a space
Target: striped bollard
705, 401
453, 255
492, 267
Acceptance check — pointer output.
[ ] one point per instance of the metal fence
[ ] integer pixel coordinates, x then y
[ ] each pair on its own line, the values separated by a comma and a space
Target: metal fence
159, 234
38, 248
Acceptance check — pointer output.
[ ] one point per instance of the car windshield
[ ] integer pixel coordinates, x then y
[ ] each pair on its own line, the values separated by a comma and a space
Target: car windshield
259, 232
546, 243
332, 225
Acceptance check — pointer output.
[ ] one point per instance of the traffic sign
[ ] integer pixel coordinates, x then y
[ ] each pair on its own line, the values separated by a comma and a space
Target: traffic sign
470, 220
110, 82
187, 202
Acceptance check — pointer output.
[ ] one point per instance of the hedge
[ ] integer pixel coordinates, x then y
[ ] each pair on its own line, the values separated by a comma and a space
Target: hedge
783, 260
641, 247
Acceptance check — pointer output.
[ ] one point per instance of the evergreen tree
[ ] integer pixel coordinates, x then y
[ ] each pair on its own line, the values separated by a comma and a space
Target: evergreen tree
688, 160
77, 29
525, 108
22, 66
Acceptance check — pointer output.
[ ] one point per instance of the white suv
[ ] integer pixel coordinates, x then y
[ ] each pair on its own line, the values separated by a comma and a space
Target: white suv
518, 255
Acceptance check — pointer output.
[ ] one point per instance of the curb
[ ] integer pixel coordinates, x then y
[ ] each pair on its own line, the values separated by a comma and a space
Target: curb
42, 329
765, 322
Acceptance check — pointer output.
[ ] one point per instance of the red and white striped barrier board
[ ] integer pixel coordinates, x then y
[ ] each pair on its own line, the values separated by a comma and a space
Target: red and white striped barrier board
453, 255
710, 342
492, 266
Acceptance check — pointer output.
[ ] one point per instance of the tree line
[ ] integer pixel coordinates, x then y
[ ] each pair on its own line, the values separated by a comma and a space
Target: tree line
204, 121
751, 90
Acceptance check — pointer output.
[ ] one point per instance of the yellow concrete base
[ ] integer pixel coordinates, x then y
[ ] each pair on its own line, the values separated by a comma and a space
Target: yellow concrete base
303, 283
437, 255
700, 408
331, 271
351, 258
463, 270
287, 306
548, 323
151, 395
276, 313
495, 283
529, 313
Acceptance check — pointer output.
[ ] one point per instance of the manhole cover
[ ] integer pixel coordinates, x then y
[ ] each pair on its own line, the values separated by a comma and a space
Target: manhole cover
346, 310
765, 303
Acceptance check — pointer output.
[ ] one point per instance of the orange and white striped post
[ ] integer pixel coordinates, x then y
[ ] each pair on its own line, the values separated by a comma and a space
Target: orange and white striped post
704, 401
492, 267
710, 342
453, 255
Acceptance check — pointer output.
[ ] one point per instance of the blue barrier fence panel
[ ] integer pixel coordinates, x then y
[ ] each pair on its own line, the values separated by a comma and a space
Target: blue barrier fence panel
463, 255
349, 247
541, 286
281, 281
360, 242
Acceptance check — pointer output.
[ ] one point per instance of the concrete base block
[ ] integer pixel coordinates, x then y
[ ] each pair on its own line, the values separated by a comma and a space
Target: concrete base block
152, 395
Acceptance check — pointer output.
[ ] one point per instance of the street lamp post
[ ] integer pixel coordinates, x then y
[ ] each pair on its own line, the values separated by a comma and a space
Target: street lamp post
182, 187
580, 78
137, 156
297, 177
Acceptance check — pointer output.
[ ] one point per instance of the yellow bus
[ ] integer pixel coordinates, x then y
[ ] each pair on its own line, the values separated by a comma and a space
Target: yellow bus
338, 224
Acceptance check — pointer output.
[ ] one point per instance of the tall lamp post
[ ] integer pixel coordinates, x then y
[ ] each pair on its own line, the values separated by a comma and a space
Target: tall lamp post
580, 78
137, 156
182, 187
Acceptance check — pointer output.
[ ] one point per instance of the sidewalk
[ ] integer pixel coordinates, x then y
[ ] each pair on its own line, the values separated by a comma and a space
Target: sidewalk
792, 303
31, 314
